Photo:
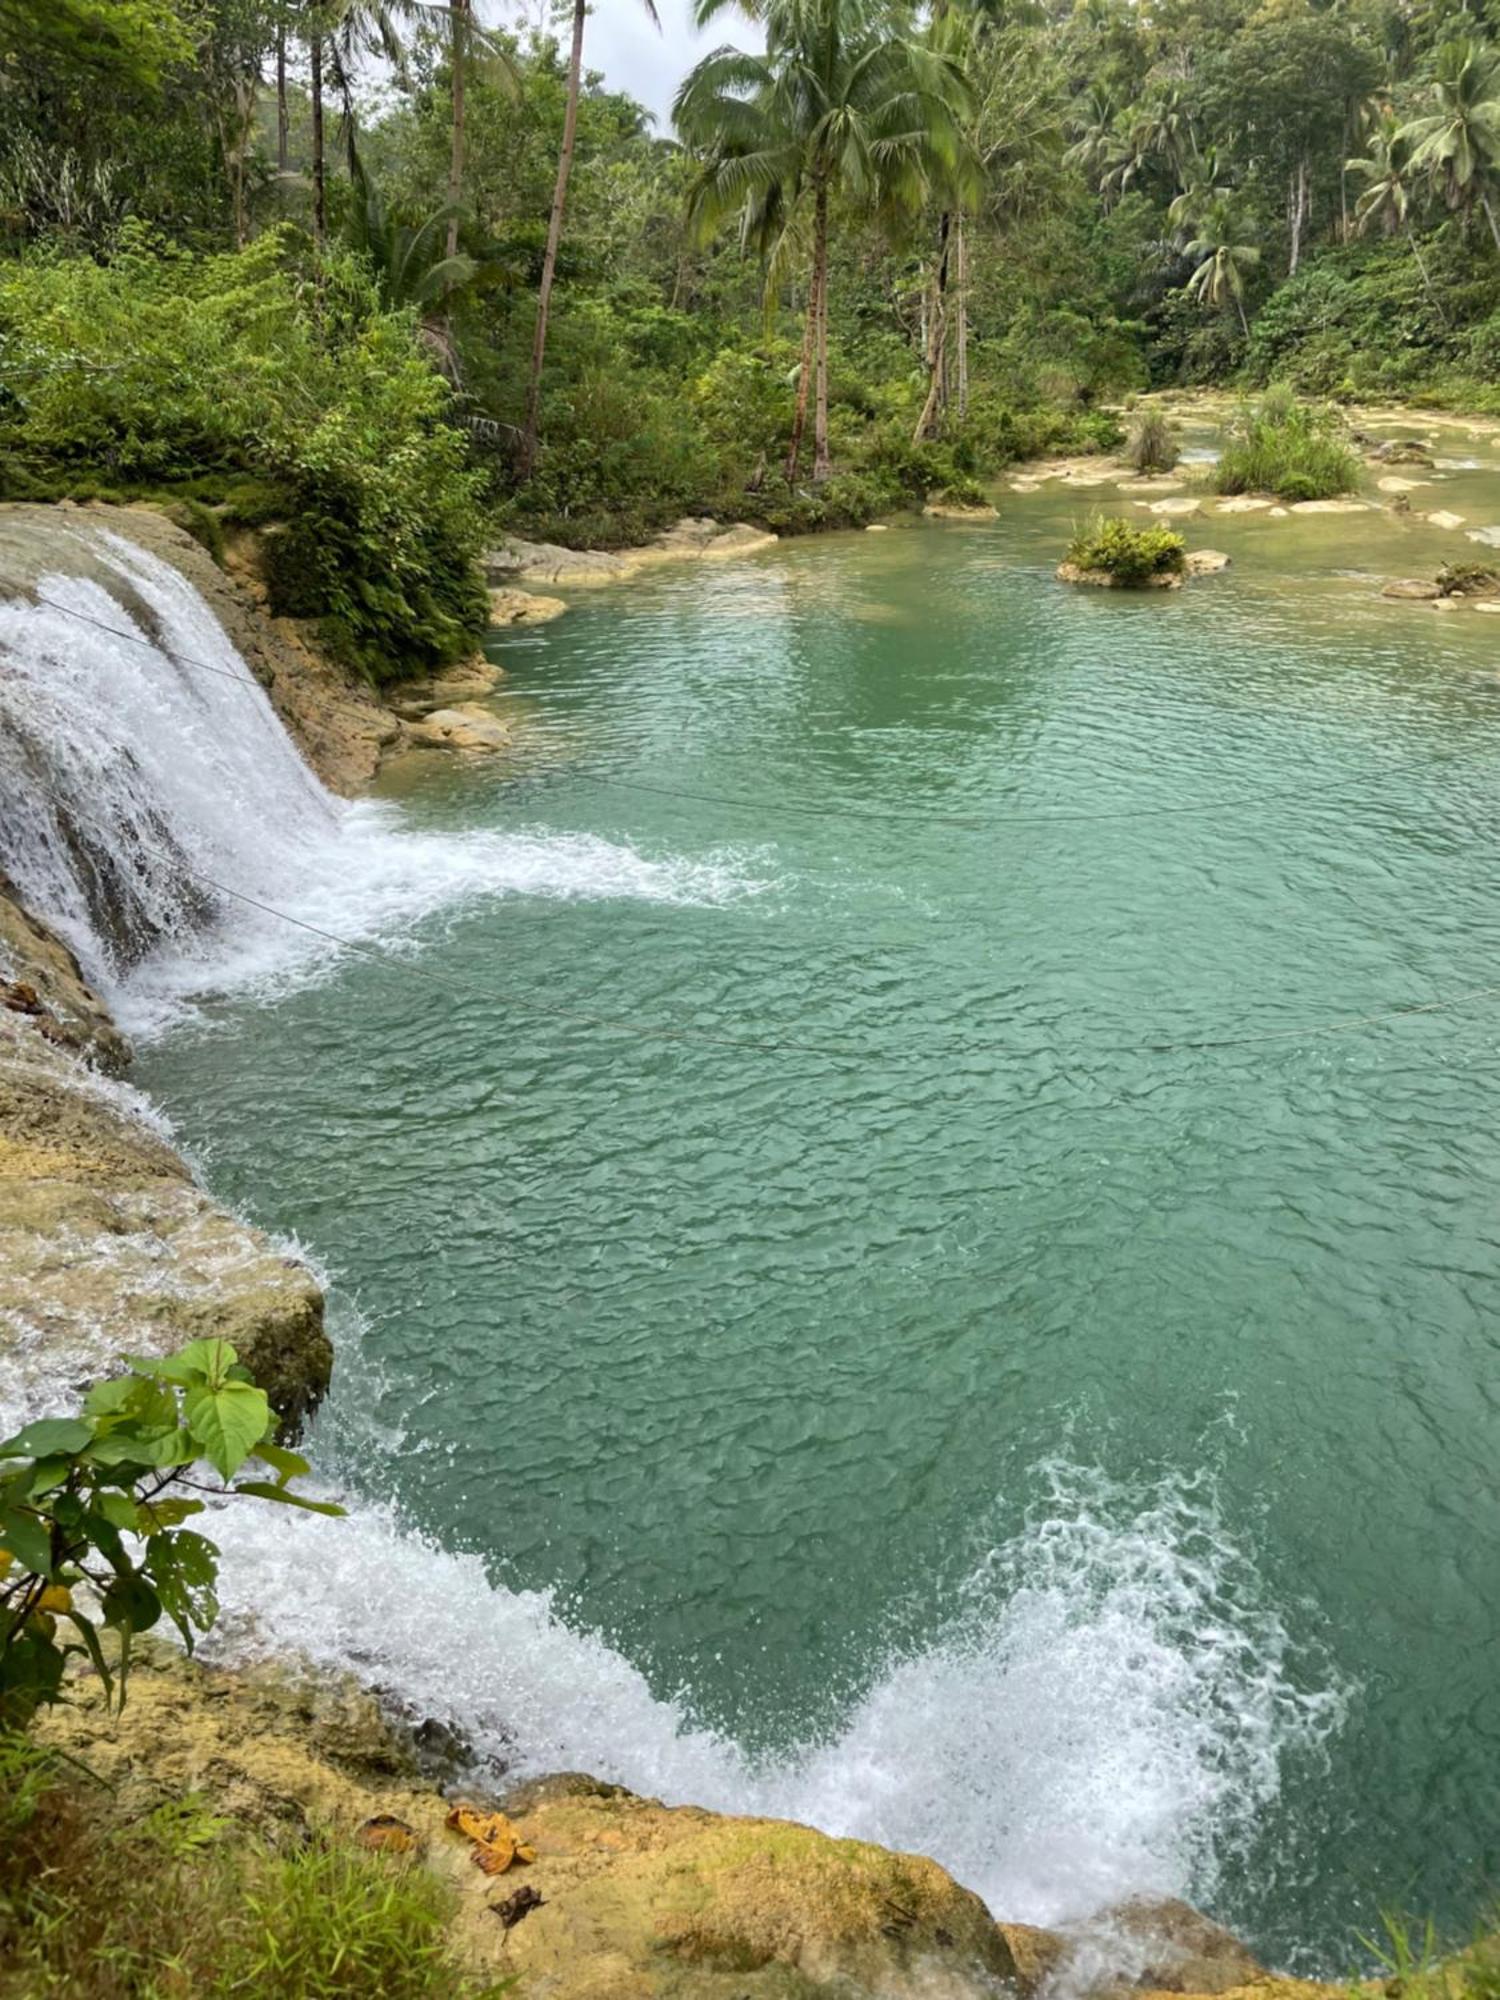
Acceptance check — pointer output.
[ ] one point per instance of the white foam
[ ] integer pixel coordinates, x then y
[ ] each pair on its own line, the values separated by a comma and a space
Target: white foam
1107, 1717
150, 789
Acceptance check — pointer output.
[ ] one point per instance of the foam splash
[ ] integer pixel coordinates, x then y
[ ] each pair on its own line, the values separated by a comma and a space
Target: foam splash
1107, 1717
154, 799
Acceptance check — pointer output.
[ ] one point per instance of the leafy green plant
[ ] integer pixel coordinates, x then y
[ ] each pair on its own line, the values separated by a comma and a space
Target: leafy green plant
101, 1902
1469, 580
1129, 554
1292, 449
160, 368
91, 1511
1151, 446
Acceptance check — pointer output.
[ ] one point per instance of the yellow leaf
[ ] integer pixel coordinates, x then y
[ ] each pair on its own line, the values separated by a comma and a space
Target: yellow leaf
6, 1559
496, 1842
56, 1597
385, 1834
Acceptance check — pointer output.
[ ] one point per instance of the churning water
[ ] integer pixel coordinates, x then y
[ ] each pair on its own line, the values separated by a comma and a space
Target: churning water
818, 1334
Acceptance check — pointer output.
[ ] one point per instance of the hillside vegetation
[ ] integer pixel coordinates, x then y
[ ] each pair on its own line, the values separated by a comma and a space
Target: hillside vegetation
396, 277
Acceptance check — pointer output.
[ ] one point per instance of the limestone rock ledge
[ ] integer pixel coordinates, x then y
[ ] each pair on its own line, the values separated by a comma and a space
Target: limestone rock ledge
626, 1898
692, 539
107, 1245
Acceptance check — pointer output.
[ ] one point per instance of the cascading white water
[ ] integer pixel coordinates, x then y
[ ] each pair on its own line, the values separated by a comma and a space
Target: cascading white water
1109, 1712
1107, 1718
148, 785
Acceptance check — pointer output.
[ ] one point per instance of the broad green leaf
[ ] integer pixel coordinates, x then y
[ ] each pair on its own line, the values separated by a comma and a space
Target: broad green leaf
109, 1398
130, 1604
47, 1475
228, 1422
48, 1435
184, 1567
199, 1361
155, 1515
285, 1464
119, 1509
29, 1539
264, 1490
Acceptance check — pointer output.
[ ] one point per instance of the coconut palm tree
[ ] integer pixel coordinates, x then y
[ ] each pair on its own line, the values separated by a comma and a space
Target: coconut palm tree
1221, 262
532, 429
1201, 191
1458, 140
1389, 191
1093, 127
844, 106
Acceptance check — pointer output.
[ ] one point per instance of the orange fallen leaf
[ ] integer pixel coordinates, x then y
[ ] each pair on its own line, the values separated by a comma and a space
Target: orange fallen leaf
388, 1835
496, 1842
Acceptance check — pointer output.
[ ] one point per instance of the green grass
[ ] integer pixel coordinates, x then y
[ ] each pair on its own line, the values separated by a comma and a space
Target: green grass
1293, 450
1151, 447
185, 1904
1129, 554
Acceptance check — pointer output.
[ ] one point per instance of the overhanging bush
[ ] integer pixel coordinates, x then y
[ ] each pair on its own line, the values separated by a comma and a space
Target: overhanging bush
161, 366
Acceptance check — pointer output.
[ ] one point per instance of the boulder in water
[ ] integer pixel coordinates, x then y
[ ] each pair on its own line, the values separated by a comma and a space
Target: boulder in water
523, 607
1416, 588
470, 726
1206, 562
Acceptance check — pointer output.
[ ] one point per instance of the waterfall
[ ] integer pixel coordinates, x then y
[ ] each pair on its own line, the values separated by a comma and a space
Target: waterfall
154, 809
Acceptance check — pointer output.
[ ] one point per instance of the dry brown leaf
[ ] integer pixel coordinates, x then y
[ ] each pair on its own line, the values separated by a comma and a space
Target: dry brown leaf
496, 1842
388, 1835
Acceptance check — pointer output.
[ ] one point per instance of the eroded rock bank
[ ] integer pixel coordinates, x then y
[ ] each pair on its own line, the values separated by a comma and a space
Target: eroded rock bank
623, 1897
108, 1246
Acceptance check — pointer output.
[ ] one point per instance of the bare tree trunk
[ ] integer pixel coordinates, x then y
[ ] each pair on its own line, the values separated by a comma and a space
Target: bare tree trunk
554, 236
822, 463
458, 54
804, 377
937, 337
963, 320
1297, 207
1489, 216
283, 123
1411, 237
320, 174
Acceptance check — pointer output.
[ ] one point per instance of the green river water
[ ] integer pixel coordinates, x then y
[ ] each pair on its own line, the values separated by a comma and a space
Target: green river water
852, 1242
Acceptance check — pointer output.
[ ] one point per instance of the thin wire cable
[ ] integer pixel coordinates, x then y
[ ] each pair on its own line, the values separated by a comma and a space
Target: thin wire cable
618, 1024
974, 819
1341, 1027
623, 1026
154, 645
971, 820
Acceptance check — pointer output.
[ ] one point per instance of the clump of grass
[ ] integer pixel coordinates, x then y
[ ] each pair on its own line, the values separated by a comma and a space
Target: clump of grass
1129, 554
1469, 580
1151, 446
960, 491
1293, 450
185, 1902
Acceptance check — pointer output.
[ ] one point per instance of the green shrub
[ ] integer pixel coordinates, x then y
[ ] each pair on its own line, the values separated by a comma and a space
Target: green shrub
72, 1489
200, 522
98, 1903
1129, 554
1468, 580
1152, 447
960, 493
1288, 448
162, 368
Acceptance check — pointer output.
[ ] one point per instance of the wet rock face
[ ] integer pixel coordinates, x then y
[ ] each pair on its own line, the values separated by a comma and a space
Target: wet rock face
107, 1246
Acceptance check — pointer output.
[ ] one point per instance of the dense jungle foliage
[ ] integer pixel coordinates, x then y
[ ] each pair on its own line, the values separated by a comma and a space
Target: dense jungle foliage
394, 276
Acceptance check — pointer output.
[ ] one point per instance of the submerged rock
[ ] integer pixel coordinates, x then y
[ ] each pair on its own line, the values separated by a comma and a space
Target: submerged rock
1416, 588
1206, 562
1243, 503
1330, 507
1443, 519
